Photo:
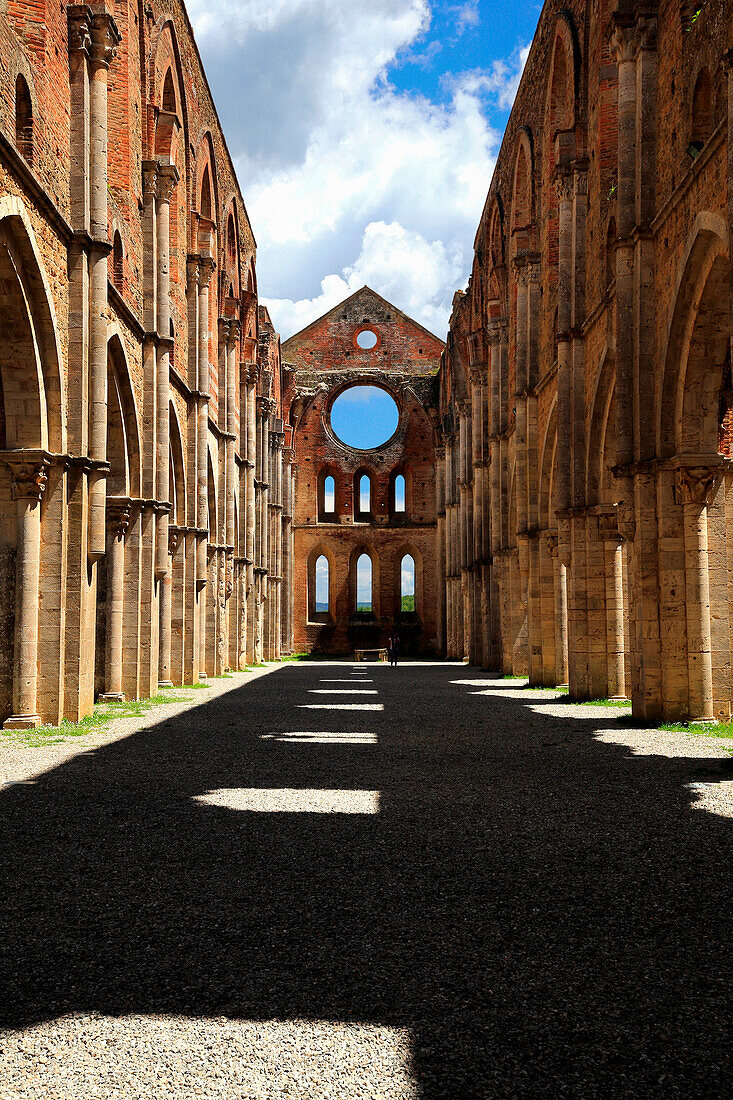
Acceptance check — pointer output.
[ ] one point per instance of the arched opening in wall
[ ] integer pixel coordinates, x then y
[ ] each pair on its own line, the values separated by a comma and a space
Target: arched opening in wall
363, 496
231, 243
611, 252
399, 495
364, 417
169, 94
407, 585
206, 200
327, 506
117, 260
702, 113
364, 586
319, 576
693, 397
323, 602
23, 118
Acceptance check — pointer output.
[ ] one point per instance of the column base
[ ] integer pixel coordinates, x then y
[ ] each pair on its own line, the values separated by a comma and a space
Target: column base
22, 722
696, 721
165, 683
203, 675
112, 697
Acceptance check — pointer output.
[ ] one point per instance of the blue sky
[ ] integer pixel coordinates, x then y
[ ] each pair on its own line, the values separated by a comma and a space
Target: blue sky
364, 417
364, 137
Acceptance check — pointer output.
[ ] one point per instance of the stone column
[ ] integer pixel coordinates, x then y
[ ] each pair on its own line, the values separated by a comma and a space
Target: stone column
564, 186
614, 572
118, 520
287, 553
167, 180
251, 509
29, 471
695, 487
165, 663
561, 611
105, 39
206, 269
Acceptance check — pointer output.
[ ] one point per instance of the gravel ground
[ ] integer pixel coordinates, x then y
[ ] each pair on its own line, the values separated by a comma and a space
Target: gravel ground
472, 891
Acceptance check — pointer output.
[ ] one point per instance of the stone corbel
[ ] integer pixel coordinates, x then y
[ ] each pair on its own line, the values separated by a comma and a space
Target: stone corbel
119, 513
167, 178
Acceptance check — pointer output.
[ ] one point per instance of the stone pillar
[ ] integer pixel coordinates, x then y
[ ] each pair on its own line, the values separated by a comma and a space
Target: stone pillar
105, 39
118, 520
564, 186
251, 510
167, 180
695, 488
614, 575
561, 611
287, 553
29, 471
206, 269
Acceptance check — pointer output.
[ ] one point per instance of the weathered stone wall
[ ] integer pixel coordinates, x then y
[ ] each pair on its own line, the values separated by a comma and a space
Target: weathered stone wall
326, 359
586, 390
142, 499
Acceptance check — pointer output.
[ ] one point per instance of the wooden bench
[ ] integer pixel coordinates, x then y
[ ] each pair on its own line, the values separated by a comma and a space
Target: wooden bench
366, 654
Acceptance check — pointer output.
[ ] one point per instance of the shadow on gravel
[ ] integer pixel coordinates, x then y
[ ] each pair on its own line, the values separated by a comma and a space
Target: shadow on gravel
548, 915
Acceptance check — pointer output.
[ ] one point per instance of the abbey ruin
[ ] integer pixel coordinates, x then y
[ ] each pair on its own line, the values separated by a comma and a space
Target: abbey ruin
563, 460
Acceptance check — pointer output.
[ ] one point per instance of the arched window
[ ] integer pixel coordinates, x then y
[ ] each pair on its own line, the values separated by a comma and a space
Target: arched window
702, 113
362, 495
399, 493
117, 260
364, 602
322, 600
611, 252
23, 118
326, 497
407, 584
206, 205
231, 241
329, 494
169, 94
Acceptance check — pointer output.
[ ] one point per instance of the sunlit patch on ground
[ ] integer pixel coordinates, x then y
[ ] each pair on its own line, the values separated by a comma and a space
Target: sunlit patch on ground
117, 1058
322, 738
342, 691
340, 706
292, 800
716, 797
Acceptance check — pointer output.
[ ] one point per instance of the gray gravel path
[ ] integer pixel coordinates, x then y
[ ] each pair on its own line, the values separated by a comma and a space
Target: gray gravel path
473, 890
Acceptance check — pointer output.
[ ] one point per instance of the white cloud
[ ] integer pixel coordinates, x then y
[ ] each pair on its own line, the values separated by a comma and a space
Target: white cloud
348, 181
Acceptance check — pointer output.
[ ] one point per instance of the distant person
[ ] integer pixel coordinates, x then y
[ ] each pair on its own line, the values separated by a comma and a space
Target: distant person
393, 649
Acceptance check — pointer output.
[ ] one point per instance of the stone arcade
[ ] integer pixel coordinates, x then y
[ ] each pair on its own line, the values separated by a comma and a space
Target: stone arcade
146, 474
585, 481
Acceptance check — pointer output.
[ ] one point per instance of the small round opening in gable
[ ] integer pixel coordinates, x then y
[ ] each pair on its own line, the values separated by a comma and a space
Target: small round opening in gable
366, 339
364, 417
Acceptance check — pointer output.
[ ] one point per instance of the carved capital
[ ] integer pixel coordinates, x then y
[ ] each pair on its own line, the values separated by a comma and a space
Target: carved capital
206, 270
696, 484
150, 169
105, 39
80, 29
29, 472
174, 538
608, 527
551, 541
626, 520
497, 331
623, 43
118, 516
564, 185
168, 177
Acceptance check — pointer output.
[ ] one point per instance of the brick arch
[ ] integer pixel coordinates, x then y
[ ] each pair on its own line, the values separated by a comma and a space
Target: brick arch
17, 64
230, 259
178, 467
523, 193
697, 343
563, 78
364, 471
165, 58
123, 425
329, 469
30, 353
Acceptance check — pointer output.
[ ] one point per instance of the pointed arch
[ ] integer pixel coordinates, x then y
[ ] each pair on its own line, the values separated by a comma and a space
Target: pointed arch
408, 550
697, 342
123, 421
178, 468
546, 516
30, 350
355, 558
523, 193
597, 464
315, 590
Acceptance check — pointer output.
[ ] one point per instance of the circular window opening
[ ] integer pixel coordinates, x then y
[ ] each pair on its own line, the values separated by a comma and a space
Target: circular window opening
367, 339
364, 417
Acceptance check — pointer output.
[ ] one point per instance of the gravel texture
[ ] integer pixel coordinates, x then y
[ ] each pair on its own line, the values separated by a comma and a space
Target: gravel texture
524, 898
